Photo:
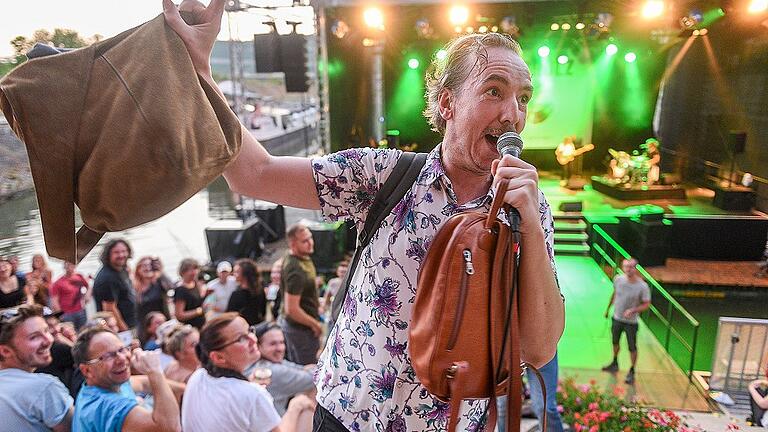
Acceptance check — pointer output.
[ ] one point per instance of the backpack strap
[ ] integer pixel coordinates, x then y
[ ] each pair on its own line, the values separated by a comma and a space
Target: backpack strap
398, 183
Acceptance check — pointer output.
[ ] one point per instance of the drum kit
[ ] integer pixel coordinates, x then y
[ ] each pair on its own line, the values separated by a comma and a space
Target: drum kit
629, 169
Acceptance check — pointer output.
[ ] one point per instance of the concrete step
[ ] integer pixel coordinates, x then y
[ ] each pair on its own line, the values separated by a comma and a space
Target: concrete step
570, 237
572, 249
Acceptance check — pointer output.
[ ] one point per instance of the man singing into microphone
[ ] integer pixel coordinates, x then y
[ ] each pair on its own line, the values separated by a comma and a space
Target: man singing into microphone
479, 91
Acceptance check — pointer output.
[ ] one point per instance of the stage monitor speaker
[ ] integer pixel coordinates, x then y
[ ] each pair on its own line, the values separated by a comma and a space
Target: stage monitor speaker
571, 206
737, 141
293, 54
271, 215
231, 239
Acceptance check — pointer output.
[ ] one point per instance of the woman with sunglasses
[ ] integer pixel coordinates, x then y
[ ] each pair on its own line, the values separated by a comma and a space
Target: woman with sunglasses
219, 397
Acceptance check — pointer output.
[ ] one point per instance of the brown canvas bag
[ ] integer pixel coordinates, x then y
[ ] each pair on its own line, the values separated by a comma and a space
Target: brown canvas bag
465, 314
124, 129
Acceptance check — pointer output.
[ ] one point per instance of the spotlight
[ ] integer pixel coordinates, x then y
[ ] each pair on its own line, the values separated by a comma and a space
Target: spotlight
458, 29
563, 59
757, 6
580, 26
459, 15
483, 29
554, 27
565, 26
413, 63
544, 51
374, 18
611, 49
703, 32
630, 57
604, 19
368, 42
441, 54
495, 29
653, 9
696, 32
340, 29
470, 29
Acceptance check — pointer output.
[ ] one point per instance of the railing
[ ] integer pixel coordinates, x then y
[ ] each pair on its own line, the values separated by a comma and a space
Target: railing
672, 325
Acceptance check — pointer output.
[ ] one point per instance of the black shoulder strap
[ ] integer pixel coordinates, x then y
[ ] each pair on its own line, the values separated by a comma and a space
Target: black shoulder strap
398, 183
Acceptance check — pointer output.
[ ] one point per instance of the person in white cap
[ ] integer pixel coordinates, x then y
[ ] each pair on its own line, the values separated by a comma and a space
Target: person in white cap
221, 288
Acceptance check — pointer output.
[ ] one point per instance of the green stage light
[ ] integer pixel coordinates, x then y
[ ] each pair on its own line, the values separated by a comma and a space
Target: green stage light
630, 57
563, 59
544, 51
413, 63
611, 49
441, 54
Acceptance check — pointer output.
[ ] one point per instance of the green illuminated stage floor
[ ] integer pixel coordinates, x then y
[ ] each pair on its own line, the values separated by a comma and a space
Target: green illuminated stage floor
586, 344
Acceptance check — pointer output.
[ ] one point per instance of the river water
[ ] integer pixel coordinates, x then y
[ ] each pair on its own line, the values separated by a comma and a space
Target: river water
179, 234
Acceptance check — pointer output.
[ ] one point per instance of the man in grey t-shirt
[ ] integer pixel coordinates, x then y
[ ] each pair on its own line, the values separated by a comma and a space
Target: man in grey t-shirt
631, 296
29, 402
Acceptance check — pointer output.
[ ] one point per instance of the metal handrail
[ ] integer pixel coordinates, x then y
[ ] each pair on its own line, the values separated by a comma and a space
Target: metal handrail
672, 304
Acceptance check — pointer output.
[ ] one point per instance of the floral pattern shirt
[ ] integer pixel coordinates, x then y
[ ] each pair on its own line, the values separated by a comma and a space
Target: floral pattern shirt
364, 375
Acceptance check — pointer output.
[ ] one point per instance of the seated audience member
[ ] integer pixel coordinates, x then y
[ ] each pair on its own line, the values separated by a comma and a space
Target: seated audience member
221, 288
62, 366
287, 379
249, 299
190, 293
148, 330
12, 286
181, 344
218, 395
29, 402
108, 400
69, 294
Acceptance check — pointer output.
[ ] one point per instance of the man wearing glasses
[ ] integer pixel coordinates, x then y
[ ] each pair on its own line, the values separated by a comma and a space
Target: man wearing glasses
108, 400
29, 401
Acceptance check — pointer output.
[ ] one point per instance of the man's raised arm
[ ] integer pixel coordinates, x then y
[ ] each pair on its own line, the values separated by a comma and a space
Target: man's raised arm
255, 173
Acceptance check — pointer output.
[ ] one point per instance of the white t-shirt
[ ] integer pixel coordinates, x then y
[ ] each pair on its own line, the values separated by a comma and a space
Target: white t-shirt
226, 404
222, 292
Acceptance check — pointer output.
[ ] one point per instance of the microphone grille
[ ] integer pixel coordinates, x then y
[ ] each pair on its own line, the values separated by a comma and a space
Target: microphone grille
510, 143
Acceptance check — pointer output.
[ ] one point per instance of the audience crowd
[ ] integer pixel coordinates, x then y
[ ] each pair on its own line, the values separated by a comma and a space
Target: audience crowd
130, 350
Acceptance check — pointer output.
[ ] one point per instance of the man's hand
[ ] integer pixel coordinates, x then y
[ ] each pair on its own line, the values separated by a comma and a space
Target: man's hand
145, 362
200, 33
522, 192
629, 313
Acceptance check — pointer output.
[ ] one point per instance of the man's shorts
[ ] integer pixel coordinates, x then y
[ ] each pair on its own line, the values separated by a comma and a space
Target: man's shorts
631, 329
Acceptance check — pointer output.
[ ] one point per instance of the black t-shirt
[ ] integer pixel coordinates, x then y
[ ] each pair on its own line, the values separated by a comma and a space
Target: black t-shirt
62, 366
13, 298
115, 286
251, 307
192, 300
152, 300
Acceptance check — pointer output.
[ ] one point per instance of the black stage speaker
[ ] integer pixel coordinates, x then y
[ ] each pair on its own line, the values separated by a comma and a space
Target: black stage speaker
267, 52
330, 242
646, 240
271, 218
293, 55
736, 199
230, 239
570, 206
737, 141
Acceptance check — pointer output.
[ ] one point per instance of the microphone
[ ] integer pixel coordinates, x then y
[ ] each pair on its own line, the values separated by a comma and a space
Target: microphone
510, 143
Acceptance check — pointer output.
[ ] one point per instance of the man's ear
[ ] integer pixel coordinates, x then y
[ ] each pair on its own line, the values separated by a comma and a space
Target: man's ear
85, 370
445, 104
6, 352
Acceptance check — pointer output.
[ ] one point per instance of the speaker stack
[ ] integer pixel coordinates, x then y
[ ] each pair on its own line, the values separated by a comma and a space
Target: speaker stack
230, 239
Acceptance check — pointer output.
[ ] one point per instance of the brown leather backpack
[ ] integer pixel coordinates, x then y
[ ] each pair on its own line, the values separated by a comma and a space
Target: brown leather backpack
464, 334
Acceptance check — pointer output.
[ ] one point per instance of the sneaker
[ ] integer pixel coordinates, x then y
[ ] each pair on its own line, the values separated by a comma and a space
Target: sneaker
613, 367
630, 379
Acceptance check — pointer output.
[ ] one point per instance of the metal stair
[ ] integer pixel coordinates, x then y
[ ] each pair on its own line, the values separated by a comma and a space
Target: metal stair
570, 235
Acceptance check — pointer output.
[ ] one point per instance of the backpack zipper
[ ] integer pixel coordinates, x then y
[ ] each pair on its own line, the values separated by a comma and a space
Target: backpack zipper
469, 269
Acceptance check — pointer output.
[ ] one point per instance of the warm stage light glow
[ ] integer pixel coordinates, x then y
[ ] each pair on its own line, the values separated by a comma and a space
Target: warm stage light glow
757, 6
374, 18
563, 59
653, 9
566, 26
611, 49
630, 57
459, 15
544, 51
441, 54
483, 29
580, 26
703, 32
554, 27
413, 63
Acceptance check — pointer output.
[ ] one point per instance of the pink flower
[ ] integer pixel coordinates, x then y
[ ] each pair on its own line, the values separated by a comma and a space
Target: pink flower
560, 408
593, 406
